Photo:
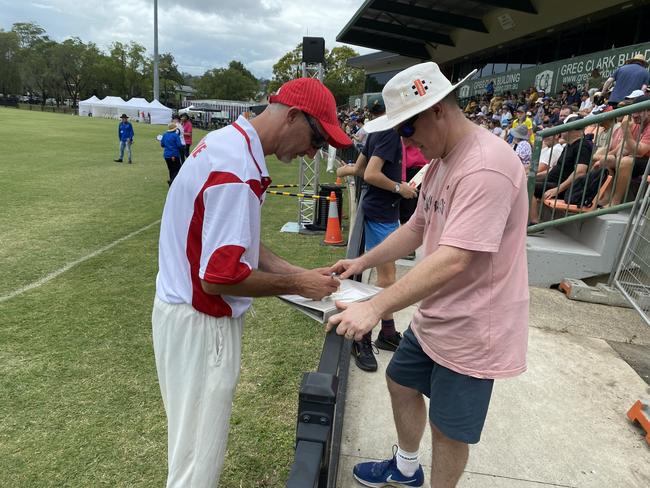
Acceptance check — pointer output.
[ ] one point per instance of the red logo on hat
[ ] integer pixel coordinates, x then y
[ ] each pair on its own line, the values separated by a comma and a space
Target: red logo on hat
420, 87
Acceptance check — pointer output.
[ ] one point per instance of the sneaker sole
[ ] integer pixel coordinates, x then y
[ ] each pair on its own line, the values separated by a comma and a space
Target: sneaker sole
385, 346
360, 365
392, 484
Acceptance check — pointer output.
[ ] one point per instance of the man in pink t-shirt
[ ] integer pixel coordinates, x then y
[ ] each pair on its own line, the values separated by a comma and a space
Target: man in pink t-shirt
471, 326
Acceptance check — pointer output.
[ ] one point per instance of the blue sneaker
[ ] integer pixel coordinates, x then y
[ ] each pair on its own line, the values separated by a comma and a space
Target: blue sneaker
385, 473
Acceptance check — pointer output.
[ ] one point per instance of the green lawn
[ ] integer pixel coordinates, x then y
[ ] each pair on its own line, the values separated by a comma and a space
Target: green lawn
79, 398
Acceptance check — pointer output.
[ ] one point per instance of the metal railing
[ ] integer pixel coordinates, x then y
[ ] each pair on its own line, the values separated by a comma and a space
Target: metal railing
321, 405
321, 401
573, 203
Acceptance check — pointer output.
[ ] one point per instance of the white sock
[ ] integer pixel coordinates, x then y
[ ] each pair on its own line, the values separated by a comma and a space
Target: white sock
407, 462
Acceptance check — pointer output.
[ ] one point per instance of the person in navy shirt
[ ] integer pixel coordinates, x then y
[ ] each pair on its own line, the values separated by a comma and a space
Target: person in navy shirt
125, 135
633, 75
172, 144
380, 166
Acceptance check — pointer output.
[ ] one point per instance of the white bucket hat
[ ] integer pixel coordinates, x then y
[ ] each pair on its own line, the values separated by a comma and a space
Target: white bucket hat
410, 92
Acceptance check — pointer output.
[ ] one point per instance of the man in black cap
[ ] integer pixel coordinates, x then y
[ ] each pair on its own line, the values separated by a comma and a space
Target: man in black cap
125, 136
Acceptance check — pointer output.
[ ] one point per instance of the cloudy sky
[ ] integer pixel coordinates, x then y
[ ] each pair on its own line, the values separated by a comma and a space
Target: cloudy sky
201, 34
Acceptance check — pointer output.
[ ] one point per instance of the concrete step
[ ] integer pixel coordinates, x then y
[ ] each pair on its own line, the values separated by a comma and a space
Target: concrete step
575, 250
600, 232
553, 256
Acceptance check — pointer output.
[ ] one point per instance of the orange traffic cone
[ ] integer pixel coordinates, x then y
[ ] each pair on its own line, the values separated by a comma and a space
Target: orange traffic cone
333, 232
339, 180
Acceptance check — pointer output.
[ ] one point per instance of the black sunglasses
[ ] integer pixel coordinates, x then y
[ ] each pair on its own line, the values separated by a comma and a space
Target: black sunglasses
406, 129
317, 139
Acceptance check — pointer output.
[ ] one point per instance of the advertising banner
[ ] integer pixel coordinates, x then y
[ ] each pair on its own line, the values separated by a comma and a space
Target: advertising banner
551, 76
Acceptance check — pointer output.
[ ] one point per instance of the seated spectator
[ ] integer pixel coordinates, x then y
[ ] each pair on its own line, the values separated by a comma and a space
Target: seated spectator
484, 109
564, 97
633, 75
565, 112
521, 145
608, 153
572, 163
595, 81
495, 103
573, 97
554, 117
523, 119
551, 151
586, 103
602, 131
471, 106
538, 117
506, 116
548, 109
495, 126
360, 136
632, 140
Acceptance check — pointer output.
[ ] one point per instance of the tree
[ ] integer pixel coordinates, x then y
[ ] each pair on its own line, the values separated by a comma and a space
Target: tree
287, 68
342, 80
76, 64
137, 66
10, 82
170, 77
29, 33
37, 69
232, 83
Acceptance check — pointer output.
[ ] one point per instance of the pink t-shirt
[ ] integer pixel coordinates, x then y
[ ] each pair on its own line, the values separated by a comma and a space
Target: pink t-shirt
476, 199
187, 129
411, 157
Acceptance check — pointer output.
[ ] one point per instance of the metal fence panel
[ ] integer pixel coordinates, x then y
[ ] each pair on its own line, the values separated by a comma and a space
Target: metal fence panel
632, 276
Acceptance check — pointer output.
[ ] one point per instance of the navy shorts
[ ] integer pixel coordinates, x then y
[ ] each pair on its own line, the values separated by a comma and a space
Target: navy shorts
458, 403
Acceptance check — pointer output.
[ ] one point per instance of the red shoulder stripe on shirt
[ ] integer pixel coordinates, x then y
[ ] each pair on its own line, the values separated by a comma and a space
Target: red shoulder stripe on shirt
213, 305
225, 266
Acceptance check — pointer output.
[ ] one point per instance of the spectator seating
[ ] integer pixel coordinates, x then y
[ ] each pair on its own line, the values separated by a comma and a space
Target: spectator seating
561, 205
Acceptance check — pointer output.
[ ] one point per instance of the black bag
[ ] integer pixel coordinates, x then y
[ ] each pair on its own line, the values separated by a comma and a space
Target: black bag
592, 181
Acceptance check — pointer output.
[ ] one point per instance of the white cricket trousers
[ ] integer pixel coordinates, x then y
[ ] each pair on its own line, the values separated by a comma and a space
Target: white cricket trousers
198, 362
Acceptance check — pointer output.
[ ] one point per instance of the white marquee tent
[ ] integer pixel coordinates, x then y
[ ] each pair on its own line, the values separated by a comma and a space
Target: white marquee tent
159, 113
136, 108
109, 107
86, 106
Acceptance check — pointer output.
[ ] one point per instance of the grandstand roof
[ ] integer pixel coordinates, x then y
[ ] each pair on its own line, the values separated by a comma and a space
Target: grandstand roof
449, 31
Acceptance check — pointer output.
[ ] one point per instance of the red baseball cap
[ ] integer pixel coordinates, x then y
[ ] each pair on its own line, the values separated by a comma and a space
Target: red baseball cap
313, 98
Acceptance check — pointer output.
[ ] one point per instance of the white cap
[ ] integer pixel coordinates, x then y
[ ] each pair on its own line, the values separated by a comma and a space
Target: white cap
410, 92
635, 94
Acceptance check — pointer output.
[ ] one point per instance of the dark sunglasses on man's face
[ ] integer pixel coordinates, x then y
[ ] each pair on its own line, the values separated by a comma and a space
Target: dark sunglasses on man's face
407, 129
317, 139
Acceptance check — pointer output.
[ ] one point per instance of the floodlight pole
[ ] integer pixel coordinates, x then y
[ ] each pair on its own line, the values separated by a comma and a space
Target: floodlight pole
156, 80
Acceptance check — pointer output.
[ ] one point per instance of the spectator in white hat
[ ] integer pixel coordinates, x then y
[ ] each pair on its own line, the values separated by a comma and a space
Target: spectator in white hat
471, 324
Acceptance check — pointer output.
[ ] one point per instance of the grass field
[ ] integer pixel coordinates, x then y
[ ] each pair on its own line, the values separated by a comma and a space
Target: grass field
79, 398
